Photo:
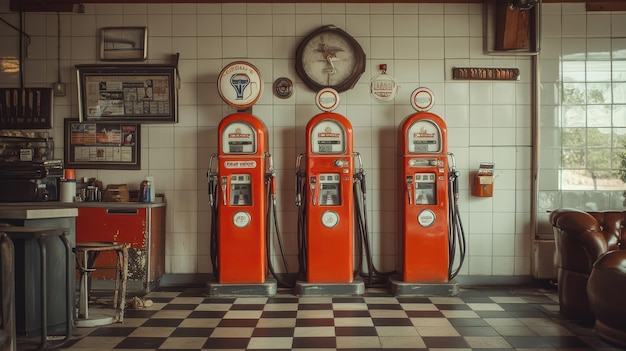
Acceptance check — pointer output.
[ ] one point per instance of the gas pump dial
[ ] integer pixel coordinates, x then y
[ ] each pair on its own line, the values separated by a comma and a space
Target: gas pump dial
238, 138
424, 136
327, 137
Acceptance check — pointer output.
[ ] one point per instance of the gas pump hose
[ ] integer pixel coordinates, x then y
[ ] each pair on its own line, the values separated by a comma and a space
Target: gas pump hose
373, 276
271, 217
456, 233
301, 202
214, 244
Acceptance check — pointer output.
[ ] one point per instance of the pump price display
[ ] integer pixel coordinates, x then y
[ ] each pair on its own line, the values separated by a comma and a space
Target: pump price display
328, 137
238, 138
424, 136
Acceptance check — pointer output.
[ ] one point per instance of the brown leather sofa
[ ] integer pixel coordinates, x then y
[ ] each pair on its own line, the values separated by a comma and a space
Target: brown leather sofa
590, 244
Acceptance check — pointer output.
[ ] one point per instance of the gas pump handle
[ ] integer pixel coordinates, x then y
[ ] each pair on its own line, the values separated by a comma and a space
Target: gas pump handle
271, 162
313, 189
409, 188
224, 187
358, 156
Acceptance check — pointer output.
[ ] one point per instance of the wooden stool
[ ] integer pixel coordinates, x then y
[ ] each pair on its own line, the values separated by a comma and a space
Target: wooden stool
86, 255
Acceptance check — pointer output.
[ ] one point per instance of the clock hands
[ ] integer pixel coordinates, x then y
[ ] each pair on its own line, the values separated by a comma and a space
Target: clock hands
330, 56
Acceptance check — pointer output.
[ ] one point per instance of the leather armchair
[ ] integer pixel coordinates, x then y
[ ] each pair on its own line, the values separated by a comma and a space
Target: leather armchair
607, 283
581, 238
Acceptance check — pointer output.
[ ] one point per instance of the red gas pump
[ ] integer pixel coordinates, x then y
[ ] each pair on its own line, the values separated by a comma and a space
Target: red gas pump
329, 199
425, 214
238, 188
242, 199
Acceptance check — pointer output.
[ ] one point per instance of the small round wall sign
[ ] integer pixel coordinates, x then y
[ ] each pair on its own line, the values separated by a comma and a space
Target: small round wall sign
283, 87
383, 87
239, 84
422, 99
327, 99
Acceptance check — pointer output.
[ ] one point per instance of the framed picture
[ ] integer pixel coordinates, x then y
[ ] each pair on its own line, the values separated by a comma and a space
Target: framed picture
130, 93
102, 145
123, 43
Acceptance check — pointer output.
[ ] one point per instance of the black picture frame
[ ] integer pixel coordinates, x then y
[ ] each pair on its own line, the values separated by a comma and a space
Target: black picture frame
128, 93
102, 145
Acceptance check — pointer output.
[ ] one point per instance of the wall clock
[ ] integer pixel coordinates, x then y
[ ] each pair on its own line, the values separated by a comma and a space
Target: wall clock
330, 58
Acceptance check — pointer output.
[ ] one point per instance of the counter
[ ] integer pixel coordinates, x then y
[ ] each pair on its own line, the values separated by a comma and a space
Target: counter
28, 262
140, 224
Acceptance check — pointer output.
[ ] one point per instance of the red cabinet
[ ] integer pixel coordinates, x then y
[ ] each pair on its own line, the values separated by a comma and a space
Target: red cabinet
142, 226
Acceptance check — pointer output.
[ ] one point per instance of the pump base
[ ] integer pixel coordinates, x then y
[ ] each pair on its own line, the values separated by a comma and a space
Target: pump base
268, 288
401, 288
357, 287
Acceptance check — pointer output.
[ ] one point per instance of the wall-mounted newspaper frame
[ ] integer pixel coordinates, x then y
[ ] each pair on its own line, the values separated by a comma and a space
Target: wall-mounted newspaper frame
102, 145
128, 93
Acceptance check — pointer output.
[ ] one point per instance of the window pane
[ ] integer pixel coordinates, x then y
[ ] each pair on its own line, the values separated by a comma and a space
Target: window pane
598, 71
576, 179
619, 93
599, 115
619, 159
574, 94
599, 93
573, 158
573, 71
598, 137
619, 138
599, 159
574, 116
619, 115
574, 137
619, 71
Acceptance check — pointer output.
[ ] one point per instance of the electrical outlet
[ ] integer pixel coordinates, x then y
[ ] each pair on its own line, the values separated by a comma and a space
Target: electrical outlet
59, 89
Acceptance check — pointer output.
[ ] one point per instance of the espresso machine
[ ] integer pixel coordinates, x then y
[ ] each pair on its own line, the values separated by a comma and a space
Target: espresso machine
27, 171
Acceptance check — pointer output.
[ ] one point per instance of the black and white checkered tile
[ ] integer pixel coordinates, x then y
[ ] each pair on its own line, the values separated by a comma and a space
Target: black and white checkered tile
477, 319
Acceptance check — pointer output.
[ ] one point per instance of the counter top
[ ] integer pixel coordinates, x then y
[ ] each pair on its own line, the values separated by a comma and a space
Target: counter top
53, 209
24, 211
55, 204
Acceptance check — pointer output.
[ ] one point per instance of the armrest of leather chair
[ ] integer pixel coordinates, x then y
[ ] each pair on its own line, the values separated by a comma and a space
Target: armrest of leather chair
579, 239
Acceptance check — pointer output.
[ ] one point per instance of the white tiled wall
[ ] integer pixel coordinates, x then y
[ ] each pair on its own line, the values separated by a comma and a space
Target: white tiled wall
420, 43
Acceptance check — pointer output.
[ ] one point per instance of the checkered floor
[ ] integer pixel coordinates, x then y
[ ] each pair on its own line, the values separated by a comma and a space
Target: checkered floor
479, 318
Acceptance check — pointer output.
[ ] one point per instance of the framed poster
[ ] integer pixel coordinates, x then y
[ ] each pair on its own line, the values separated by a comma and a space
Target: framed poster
102, 145
123, 43
129, 93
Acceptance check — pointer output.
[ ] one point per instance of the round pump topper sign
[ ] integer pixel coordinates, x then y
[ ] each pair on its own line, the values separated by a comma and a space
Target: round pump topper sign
239, 84
422, 99
327, 99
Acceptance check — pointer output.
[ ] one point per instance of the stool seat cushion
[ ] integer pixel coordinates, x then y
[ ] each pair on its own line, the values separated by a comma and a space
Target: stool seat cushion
606, 291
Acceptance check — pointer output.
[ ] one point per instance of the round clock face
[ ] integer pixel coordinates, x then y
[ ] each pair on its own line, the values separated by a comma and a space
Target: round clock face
330, 58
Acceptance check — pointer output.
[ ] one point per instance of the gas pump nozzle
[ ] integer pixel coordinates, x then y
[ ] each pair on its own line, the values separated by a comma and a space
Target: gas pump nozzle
299, 174
409, 189
210, 176
224, 184
313, 186
361, 175
454, 175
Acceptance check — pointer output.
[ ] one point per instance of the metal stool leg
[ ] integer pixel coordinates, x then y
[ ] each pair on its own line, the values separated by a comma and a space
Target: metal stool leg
8, 293
124, 281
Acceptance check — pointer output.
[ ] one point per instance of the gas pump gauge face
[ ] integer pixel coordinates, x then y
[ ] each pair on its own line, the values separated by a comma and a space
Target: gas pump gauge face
328, 137
424, 136
238, 138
